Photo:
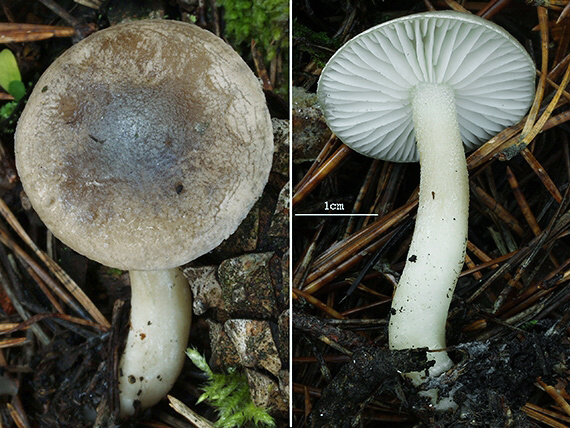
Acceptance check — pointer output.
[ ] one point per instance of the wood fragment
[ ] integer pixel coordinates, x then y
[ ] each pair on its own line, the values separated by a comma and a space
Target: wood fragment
316, 303
523, 204
356, 208
429, 6
558, 224
537, 102
556, 396
193, 417
22, 312
93, 4
61, 12
36, 36
358, 241
492, 8
542, 174
328, 148
321, 173
548, 412
564, 14
260, 67
39, 272
40, 317
19, 419
308, 407
10, 343
497, 209
540, 415
456, 6
65, 279
492, 263
537, 127
301, 270
471, 265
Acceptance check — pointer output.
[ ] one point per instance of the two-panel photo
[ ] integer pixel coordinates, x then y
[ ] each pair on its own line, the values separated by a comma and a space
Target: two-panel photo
274, 213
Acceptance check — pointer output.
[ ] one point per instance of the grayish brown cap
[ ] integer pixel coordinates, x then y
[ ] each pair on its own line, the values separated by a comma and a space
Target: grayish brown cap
145, 145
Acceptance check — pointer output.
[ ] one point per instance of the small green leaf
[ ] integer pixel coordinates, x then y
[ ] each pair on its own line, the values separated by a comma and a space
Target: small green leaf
10, 78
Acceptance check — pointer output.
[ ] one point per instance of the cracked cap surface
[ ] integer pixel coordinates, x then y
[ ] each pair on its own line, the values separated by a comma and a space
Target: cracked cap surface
145, 145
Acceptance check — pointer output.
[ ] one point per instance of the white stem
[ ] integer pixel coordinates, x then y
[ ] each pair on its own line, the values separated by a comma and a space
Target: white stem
437, 252
161, 313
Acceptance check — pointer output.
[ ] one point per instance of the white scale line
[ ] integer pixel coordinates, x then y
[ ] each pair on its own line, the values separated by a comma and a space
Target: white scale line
336, 215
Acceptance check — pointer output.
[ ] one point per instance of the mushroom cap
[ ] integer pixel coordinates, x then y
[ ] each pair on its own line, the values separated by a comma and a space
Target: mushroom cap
145, 145
364, 90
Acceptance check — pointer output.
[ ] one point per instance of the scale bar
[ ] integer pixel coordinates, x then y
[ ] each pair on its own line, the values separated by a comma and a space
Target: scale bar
336, 215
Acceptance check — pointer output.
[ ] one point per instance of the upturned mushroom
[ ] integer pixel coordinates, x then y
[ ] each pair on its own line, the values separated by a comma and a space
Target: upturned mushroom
143, 147
428, 86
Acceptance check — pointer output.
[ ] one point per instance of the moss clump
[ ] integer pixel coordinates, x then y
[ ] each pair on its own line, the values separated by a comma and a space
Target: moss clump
265, 21
228, 393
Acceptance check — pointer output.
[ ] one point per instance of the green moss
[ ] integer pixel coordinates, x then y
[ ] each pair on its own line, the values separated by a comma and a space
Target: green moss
7, 109
229, 394
314, 43
265, 21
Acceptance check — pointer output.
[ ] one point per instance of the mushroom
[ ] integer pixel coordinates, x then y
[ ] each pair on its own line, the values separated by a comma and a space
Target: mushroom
143, 147
438, 78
